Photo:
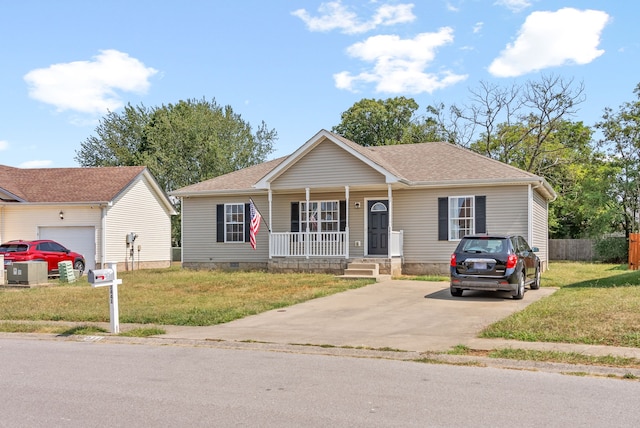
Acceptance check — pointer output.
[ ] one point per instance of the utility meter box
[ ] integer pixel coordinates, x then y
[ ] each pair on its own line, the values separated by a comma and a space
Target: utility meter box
100, 277
27, 273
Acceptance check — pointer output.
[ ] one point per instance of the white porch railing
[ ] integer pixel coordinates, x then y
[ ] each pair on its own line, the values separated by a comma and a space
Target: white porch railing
313, 244
321, 244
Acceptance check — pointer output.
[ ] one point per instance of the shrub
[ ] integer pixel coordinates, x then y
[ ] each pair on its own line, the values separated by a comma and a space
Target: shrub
612, 249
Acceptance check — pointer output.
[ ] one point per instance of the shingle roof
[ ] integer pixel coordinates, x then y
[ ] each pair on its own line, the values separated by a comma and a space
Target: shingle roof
413, 164
237, 180
67, 185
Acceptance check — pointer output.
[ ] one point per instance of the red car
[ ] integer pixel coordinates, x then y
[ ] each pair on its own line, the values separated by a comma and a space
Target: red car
41, 250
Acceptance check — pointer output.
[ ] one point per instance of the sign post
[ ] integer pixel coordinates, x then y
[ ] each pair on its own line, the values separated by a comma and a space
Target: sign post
108, 277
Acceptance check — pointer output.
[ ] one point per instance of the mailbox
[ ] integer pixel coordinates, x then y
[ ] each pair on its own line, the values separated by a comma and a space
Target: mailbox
100, 277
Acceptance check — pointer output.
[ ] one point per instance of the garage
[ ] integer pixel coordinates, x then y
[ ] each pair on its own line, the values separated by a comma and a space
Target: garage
81, 239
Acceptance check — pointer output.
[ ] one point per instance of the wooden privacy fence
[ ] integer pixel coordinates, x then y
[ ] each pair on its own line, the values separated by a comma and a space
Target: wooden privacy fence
634, 251
571, 249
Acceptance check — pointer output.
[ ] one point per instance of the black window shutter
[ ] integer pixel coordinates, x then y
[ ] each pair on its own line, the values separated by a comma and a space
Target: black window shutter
220, 223
443, 219
295, 216
343, 216
247, 222
481, 214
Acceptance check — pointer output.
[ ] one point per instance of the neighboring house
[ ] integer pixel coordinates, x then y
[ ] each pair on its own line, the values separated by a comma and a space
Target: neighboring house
91, 211
333, 202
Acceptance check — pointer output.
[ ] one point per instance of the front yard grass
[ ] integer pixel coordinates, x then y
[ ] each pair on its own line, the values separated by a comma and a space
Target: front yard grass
596, 304
171, 296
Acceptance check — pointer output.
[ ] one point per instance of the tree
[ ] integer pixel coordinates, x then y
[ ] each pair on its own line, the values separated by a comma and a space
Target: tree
181, 144
519, 125
372, 122
621, 140
586, 206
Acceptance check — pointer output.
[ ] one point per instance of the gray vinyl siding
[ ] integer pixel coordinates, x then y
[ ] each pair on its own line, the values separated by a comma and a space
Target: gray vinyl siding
138, 210
327, 165
540, 227
199, 232
416, 213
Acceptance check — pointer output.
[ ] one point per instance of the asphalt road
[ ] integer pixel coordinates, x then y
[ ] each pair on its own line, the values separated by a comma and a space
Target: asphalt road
57, 383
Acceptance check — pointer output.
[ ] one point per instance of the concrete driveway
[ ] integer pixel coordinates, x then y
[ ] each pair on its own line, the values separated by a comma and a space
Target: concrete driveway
399, 314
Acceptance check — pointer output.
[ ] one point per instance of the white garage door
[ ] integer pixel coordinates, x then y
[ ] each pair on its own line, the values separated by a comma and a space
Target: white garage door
79, 239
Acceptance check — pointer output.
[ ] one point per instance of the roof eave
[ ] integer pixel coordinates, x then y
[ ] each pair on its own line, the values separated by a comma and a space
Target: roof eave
200, 193
538, 183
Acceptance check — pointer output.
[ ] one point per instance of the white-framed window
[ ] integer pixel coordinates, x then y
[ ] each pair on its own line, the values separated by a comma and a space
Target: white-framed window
233, 222
322, 216
461, 216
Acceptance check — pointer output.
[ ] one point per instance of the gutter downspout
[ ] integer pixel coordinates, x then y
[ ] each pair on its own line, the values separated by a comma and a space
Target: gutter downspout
306, 238
103, 236
390, 226
346, 228
270, 221
530, 215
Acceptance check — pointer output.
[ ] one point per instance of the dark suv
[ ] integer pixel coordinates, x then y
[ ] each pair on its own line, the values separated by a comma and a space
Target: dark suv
494, 263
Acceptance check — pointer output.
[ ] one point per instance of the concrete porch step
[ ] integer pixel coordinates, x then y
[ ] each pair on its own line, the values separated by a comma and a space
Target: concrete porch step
373, 268
363, 270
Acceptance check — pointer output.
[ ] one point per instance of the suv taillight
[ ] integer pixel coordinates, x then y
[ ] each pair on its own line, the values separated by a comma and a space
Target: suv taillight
453, 260
512, 260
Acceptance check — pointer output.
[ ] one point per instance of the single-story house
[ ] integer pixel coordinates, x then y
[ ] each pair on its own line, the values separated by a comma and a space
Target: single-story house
333, 202
96, 212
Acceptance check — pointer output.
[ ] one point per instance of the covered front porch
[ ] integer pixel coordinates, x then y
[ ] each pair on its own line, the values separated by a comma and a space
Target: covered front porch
325, 226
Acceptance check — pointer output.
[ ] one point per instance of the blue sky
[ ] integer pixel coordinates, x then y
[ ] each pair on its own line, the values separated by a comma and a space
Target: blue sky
297, 65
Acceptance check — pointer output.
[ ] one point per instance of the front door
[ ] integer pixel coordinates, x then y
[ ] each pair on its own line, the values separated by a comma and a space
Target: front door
377, 228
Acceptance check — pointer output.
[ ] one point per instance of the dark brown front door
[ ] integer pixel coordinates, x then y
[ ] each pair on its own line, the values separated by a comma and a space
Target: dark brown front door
377, 228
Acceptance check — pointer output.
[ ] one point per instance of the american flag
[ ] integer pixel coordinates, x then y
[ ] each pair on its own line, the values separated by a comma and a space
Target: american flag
254, 226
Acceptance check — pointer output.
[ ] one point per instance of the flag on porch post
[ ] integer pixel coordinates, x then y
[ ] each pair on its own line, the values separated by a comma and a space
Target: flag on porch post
254, 225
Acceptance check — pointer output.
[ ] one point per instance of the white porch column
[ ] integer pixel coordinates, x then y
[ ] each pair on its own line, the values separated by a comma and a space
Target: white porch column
346, 229
270, 221
390, 228
306, 238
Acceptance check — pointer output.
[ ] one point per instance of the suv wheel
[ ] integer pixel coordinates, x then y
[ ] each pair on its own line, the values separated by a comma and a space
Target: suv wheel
519, 293
536, 282
455, 292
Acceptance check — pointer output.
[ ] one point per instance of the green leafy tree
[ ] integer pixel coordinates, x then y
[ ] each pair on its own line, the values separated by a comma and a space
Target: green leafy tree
181, 144
621, 140
586, 206
372, 122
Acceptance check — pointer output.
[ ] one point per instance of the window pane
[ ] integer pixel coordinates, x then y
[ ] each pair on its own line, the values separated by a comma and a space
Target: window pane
461, 217
321, 216
234, 222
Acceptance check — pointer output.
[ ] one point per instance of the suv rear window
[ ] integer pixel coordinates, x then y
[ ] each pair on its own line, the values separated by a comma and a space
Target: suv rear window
483, 245
11, 248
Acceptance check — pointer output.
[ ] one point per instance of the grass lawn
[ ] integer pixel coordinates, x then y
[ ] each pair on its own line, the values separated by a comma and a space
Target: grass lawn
596, 304
171, 296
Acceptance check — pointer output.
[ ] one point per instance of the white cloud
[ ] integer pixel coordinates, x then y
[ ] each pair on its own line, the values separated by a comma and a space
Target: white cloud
36, 164
514, 5
333, 15
4, 145
478, 27
400, 64
90, 86
551, 39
